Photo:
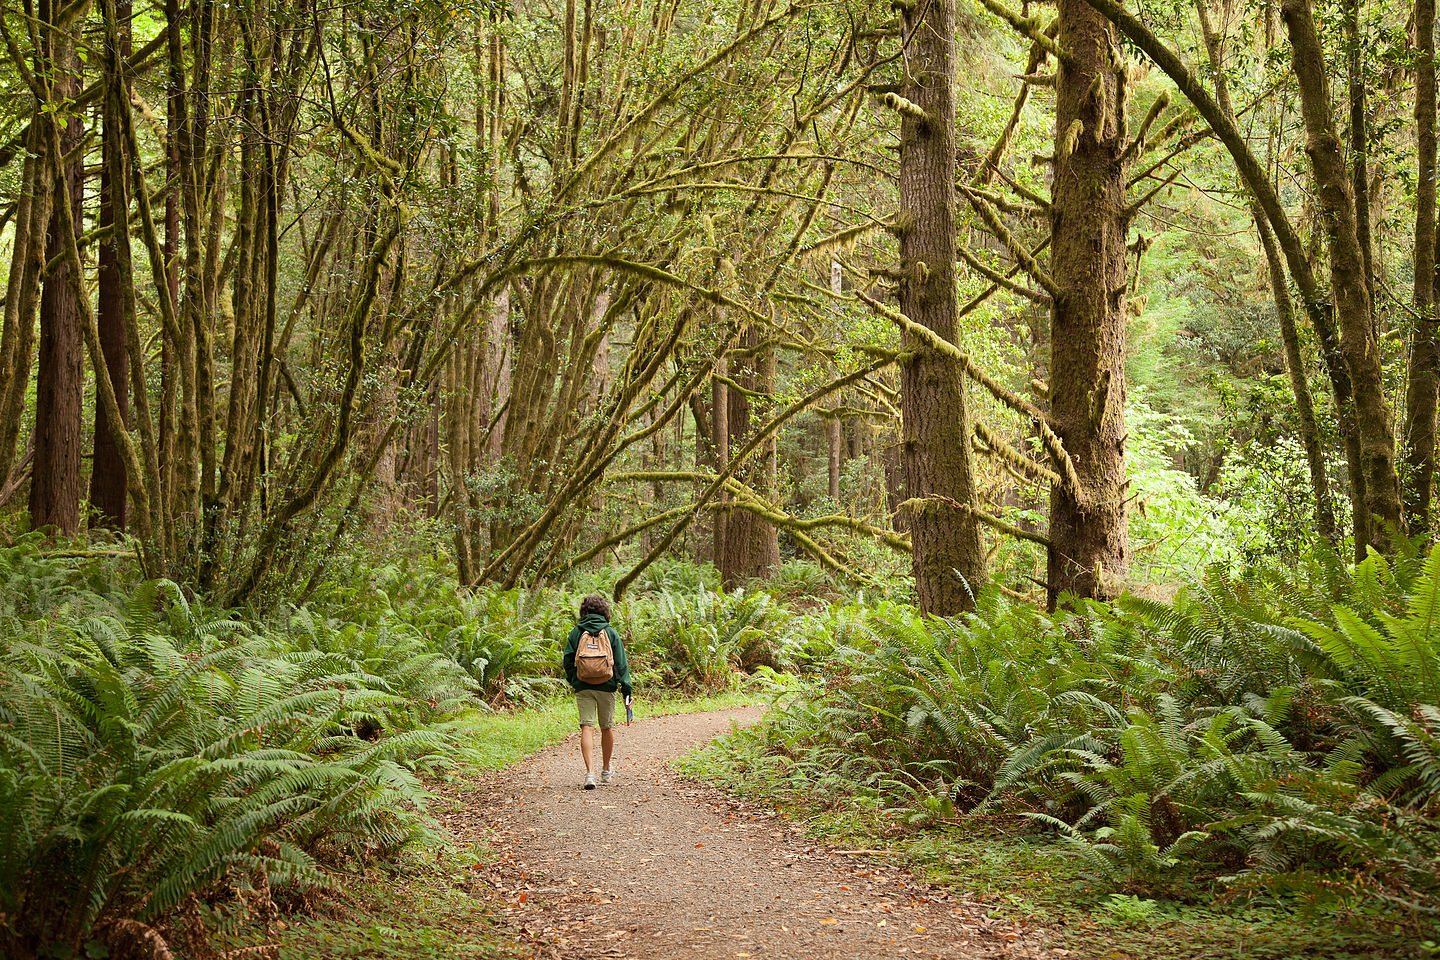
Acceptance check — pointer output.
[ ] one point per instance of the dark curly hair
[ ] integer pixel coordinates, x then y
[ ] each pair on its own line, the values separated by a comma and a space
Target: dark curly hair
595, 603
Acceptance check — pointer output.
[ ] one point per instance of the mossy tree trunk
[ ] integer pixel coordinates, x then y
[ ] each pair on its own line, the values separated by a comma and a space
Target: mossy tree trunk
1089, 535
1284, 309
752, 545
1349, 283
1424, 384
935, 451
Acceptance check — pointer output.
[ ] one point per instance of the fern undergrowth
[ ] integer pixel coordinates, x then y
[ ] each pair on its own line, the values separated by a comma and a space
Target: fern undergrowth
1269, 733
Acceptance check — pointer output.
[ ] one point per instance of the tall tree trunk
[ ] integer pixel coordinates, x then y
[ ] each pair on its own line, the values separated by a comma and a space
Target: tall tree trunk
169, 379
1089, 535
834, 427
1359, 143
22, 293
936, 457
55, 485
1349, 283
1424, 384
107, 468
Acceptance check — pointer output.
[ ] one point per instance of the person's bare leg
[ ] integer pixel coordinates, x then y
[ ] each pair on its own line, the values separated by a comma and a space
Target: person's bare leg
607, 745
587, 737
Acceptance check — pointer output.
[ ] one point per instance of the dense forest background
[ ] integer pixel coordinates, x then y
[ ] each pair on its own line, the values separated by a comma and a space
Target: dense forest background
539, 286
1081, 360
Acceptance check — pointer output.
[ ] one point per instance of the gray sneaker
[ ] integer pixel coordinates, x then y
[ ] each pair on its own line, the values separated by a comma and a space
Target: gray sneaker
589, 781
607, 777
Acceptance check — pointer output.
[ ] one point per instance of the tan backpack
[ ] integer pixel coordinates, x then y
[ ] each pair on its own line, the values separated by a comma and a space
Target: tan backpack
594, 660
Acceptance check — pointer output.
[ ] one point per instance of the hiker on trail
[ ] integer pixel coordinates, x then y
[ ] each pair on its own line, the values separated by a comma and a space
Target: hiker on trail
596, 665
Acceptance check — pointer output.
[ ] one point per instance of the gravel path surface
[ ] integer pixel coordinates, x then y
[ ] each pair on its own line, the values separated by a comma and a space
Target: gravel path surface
662, 868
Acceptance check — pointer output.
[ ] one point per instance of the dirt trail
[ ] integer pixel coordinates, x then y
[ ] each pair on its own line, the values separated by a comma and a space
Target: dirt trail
666, 868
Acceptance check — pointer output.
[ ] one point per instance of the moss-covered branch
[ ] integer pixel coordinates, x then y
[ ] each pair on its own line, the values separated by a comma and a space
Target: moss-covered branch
999, 279
989, 519
1026, 26
1070, 479
771, 514
1017, 250
737, 460
1002, 450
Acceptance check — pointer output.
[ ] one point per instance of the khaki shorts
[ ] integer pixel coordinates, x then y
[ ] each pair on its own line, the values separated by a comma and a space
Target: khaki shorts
597, 708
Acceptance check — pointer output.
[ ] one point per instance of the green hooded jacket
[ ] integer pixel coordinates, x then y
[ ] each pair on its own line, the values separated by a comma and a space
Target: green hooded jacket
594, 623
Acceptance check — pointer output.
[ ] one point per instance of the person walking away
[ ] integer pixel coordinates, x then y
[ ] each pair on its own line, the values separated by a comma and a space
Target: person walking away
596, 666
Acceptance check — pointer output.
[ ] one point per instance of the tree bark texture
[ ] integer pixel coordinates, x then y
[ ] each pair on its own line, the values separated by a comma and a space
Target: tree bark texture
55, 485
1089, 534
835, 448
948, 562
752, 546
108, 501
1423, 388
22, 294
720, 442
1349, 283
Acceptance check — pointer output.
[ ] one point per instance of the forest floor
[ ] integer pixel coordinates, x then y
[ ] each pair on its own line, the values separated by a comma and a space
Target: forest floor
659, 867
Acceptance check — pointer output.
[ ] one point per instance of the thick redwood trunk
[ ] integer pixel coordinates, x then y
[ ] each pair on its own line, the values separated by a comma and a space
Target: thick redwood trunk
107, 470
56, 485
1089, 536
935, 454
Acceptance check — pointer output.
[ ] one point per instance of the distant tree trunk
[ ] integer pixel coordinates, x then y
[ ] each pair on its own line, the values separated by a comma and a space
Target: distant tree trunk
894, 481
55, 485
169, 383
835, 442
948, 562
1349, 283
720, 441
1424, 384
752, 546
834, 428
1089, 534
462, 432
107, 476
